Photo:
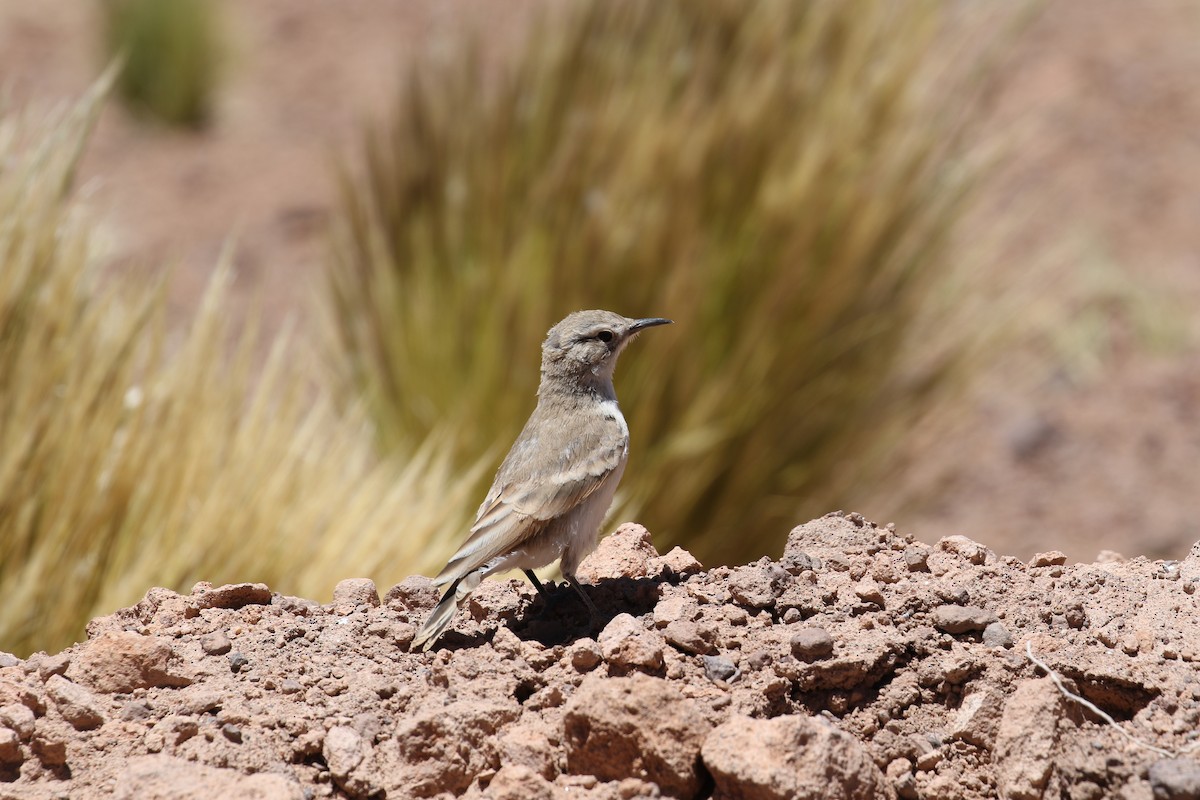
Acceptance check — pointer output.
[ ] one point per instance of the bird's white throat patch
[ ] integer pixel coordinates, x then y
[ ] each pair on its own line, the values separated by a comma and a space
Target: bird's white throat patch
611, 410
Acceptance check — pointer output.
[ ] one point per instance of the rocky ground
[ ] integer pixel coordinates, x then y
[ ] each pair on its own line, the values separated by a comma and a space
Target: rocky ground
862, 664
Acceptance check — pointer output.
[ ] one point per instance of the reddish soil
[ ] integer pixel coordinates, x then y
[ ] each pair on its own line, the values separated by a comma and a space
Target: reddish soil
862, 664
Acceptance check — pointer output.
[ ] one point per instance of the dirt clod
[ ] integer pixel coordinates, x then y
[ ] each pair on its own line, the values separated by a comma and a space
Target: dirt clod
77, 705
627, 645
790, 758
50, 750
638, 727
1175, 779
444, 748
1027, 737
18, 718
517, 782
234, 595
688, 638
345, 753
10, 747
354, 592
1053, 558
124, 661
165, 778
978, 719
627, 555
415, 593
962, 619
678, 562
758, 585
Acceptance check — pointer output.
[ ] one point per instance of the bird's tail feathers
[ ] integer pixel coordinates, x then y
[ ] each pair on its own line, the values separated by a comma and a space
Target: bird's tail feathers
443, 613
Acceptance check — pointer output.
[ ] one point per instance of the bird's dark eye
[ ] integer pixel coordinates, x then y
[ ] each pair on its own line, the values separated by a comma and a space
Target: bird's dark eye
605, 336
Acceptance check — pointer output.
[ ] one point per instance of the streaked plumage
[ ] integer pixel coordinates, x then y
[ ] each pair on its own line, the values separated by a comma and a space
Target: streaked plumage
553, 489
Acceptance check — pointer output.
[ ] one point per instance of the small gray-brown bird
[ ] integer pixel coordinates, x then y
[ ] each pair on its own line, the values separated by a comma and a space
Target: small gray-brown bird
556, 484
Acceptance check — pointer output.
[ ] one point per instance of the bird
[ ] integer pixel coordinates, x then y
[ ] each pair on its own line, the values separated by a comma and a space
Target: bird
557, 482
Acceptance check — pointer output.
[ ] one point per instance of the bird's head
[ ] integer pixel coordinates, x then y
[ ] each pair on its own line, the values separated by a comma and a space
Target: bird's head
584, 346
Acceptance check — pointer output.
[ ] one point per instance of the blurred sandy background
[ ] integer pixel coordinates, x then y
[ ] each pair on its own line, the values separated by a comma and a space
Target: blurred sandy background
1094, 448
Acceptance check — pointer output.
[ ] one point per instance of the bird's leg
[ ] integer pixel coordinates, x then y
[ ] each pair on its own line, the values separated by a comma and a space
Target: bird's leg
587, 601
537, 584
549, 601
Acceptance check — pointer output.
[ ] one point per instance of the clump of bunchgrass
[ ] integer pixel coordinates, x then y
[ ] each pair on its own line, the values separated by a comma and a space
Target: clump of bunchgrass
781, 178
131, 459
169, 51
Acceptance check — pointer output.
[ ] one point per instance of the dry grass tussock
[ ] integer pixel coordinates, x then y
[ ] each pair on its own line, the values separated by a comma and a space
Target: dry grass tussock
127, 461
170, 55
781, 178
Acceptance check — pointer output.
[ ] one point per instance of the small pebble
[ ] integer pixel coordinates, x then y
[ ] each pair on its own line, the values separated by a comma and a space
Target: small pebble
916, 559
811, 643
134, 711
797, 563
996, 635
215, 643
686, 636
719, 669
955, 619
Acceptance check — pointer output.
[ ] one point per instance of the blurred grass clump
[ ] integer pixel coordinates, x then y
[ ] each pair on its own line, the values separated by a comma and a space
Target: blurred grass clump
130, 458
781, 178
170, 57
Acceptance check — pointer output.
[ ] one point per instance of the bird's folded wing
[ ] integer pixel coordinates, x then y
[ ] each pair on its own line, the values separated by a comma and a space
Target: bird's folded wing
514, 512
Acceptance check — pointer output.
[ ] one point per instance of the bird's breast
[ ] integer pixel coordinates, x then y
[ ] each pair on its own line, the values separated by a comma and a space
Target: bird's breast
610, 410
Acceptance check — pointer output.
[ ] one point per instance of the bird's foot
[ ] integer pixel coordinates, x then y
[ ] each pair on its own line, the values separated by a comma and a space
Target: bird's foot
593, 613
553, 598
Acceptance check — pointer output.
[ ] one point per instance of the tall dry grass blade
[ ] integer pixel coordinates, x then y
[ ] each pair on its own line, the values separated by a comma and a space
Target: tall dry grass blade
127, 461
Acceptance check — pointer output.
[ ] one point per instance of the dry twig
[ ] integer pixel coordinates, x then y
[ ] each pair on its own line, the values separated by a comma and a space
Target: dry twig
1095, 709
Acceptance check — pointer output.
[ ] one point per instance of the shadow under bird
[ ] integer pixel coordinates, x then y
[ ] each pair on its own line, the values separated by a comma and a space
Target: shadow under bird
555, 486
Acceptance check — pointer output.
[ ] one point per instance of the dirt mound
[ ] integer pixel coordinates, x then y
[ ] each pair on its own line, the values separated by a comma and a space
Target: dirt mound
862, 664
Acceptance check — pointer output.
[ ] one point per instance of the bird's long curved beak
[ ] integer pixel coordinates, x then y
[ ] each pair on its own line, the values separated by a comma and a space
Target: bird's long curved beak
648, 322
